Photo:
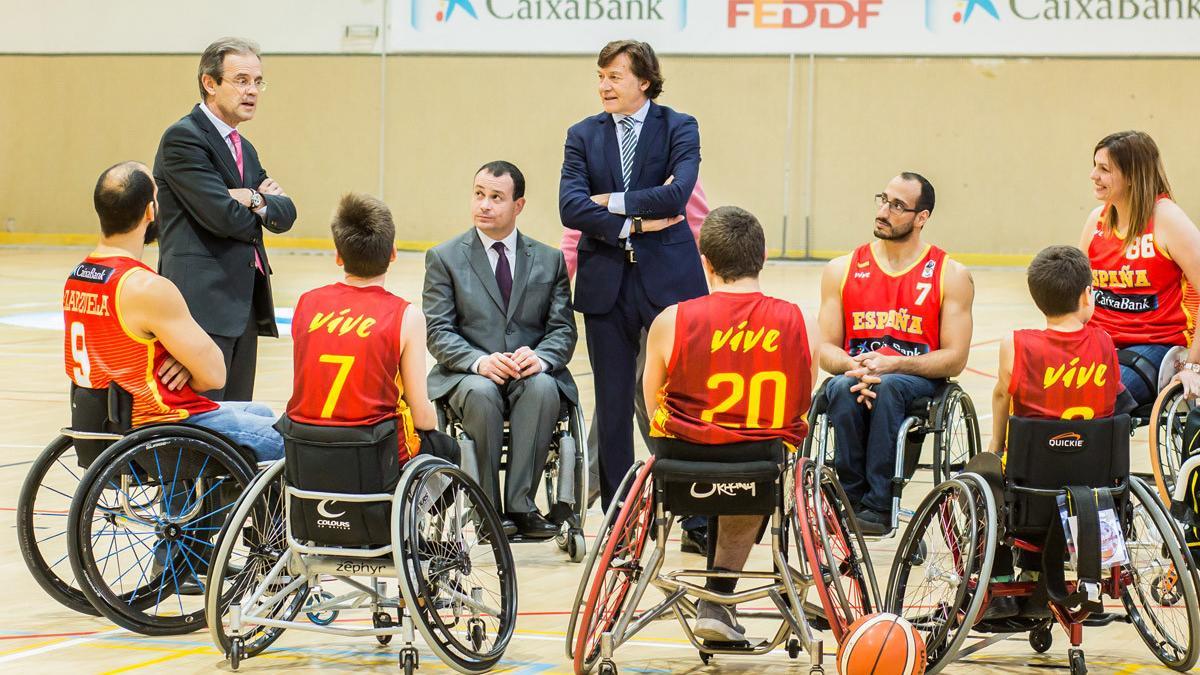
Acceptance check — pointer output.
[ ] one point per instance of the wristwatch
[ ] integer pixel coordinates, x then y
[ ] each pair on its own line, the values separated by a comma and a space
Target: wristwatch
256, 200
637, 225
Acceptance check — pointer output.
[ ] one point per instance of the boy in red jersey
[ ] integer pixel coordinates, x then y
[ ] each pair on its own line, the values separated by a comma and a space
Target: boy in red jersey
128, 325
359, 350
729, 367
895, 320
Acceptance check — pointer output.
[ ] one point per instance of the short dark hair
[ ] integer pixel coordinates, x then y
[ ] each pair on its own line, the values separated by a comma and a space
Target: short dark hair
1057, 277
926, 201
642, 59
121, 196
733, 242
212, 61
364, 235
501, 168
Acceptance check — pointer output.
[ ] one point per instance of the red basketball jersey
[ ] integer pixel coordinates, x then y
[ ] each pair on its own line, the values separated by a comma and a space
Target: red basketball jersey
1060, 375
893, 313
740, 370
346, 353
1139, 290
98, 349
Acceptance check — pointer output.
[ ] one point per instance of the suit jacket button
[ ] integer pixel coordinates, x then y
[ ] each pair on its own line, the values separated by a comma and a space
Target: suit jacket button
251, 264
509, 331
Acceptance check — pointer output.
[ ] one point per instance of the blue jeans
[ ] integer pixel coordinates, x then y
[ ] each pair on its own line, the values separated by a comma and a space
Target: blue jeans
246, 423
866, 439
1133, 381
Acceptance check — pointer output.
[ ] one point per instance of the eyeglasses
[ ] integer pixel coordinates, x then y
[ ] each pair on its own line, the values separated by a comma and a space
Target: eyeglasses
895, 206
244, 83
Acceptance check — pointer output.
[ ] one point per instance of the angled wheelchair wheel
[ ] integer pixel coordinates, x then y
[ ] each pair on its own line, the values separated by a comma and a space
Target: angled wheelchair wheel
457, 575
42, 510
617, 570
1160, 585
141, 525
832, 545
1168, 449
942, 566
957, 438
245, 569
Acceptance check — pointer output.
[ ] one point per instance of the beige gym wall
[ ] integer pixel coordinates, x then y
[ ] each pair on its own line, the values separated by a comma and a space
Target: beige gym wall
1005, 141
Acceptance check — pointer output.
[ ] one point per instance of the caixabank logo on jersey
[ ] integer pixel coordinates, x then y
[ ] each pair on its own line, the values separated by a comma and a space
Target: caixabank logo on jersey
449, 12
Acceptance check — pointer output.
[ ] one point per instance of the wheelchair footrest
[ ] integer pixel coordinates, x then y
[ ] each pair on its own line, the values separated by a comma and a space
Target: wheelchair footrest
1099, 619
1013, 624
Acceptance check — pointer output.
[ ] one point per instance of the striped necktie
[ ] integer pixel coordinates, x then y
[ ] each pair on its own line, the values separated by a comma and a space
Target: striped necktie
628, 145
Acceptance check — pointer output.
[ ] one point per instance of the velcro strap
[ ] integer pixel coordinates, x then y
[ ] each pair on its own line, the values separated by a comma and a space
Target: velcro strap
1082, 504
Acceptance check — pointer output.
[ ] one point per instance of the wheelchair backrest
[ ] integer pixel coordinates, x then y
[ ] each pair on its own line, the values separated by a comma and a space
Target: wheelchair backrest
106, 411
354, 460
712, 480
1052, 454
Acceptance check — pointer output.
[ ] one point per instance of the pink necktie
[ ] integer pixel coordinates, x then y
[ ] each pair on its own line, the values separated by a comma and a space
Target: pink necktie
236, 139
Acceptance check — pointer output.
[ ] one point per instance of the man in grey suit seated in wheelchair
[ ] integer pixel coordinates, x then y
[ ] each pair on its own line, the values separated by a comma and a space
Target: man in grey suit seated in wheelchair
498, 306
895, 318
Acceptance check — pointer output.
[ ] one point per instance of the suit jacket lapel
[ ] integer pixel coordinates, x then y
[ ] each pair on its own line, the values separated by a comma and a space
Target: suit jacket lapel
218, 145
524, 256
478, 259
612, 151
652, 128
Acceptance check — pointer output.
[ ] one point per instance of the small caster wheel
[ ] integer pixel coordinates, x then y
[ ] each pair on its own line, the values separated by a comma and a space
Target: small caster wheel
477, 633
608, 668
816, 670
1041, 639
236, 649
1078, 667
322, 618
576, 547
382, 620
705, 657
793, 648
409, 662
563, 539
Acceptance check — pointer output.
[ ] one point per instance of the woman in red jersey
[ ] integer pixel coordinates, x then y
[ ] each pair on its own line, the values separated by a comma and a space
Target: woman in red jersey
1142, 248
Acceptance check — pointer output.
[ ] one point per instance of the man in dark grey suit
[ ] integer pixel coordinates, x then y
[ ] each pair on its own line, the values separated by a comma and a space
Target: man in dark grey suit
498, 309
215, 200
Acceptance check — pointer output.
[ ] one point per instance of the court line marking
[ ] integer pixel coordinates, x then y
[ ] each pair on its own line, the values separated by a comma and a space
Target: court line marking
156, 661
65, 644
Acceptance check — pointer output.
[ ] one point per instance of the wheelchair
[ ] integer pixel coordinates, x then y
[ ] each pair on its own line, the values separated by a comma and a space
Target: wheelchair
940, 578
949, 416
631, 548
116, 521
1165, 417
340, 508
565, 476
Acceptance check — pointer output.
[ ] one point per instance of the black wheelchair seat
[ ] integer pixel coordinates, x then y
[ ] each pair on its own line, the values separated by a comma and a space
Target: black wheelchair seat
711, 480
98, 411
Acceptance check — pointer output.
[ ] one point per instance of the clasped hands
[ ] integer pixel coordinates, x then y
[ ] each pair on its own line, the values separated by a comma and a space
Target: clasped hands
503, 367
647, 225
869, 370
268, 187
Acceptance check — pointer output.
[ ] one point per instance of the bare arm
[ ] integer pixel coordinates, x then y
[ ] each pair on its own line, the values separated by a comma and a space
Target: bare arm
831, 331
1001, 399
152, 306
412, 369
659, 343
1089, 229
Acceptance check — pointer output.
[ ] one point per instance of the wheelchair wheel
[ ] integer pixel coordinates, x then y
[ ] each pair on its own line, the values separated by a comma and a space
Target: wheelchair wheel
1168, 449
957, 438
1158, 565
589, 564
251, 543
833, 547
456, 568
618, 568
42, 523
142, 521
940, 573
821, 432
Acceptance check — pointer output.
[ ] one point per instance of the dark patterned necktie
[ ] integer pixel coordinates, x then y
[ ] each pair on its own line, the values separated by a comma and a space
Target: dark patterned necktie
503, 273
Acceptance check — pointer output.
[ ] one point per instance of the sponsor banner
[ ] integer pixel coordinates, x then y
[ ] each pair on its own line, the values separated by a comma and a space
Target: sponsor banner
851, 27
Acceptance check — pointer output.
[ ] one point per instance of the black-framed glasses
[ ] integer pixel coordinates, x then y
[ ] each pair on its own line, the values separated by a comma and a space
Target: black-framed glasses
894, 205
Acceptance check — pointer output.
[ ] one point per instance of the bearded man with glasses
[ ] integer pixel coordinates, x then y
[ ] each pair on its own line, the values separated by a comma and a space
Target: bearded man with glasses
895, 321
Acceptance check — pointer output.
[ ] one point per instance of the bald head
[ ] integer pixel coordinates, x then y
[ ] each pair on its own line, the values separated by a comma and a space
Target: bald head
122, 194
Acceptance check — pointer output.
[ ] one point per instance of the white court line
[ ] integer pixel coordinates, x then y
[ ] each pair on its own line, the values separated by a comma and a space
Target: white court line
19, 445
59, 645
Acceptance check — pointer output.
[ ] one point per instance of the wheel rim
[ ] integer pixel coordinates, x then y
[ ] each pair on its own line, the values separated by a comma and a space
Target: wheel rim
960, 434
1166, 437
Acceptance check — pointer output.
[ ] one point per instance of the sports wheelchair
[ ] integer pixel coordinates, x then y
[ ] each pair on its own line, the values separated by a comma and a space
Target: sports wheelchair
949, 415
631, 550
941, 576
565, 475
117, 522
339, 507
1165, 417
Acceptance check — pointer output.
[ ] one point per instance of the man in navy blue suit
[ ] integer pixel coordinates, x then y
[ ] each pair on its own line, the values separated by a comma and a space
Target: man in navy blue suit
626, 177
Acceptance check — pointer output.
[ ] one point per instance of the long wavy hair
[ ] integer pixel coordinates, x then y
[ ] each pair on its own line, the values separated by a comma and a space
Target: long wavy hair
1136, 155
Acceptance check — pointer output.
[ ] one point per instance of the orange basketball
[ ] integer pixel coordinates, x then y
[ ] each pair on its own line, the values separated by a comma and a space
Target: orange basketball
881, 644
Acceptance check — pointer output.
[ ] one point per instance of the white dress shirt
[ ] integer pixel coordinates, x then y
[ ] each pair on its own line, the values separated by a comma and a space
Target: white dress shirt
510, 252
616, 200
224, 129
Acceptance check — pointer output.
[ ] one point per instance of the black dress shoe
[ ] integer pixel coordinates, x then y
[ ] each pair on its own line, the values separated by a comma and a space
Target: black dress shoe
694, 541
533, 525
508, 526
1002, 607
